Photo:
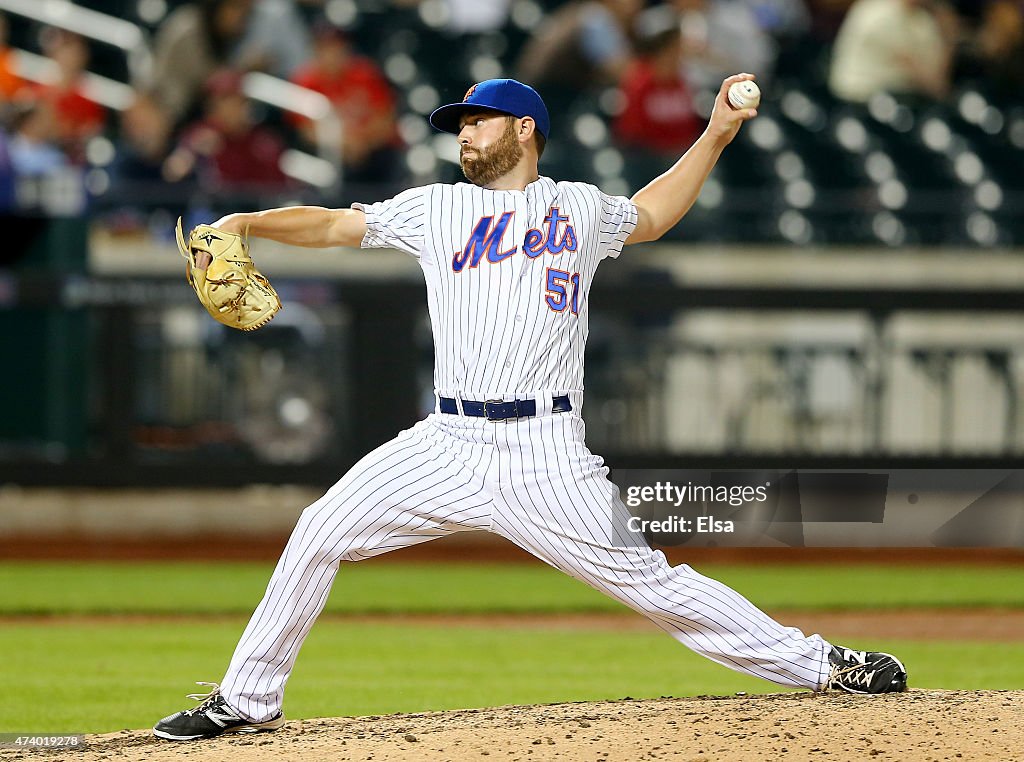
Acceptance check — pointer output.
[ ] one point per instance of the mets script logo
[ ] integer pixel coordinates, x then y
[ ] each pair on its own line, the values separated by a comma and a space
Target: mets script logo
485, 240
469, 93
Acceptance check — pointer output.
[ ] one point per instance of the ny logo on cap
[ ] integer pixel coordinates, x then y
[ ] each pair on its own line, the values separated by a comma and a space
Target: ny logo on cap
469, 93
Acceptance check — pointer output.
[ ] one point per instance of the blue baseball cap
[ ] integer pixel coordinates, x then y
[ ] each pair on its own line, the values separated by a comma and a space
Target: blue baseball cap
508, 96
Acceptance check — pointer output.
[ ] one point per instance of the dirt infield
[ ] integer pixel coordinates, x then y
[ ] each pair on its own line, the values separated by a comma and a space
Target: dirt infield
915, 726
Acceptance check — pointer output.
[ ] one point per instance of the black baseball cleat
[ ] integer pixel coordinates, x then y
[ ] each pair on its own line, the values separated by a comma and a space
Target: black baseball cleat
865, 672
213, 717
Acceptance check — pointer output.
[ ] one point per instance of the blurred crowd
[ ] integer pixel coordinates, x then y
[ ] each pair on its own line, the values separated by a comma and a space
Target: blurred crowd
191, 119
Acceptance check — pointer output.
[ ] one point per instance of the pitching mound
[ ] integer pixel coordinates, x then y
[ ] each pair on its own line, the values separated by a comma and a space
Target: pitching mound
918, 725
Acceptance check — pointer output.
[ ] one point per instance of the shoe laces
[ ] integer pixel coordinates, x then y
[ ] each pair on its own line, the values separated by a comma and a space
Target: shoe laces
206, 699
857, 674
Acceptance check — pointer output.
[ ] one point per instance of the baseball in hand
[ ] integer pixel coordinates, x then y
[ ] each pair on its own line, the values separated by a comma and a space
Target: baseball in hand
744, 94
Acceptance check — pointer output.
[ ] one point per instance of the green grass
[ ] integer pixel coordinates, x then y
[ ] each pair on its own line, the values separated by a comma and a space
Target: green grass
96, 675
99, 677
189, 588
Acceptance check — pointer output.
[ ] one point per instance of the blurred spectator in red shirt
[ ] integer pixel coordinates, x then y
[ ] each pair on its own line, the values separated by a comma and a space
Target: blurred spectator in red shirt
78, 117
658, 116
225, 148
363, 100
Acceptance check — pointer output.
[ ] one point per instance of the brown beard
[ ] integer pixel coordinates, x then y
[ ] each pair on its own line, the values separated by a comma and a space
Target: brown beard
494, 161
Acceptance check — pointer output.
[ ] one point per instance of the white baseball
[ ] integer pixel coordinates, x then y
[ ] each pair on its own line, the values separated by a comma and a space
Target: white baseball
744, 94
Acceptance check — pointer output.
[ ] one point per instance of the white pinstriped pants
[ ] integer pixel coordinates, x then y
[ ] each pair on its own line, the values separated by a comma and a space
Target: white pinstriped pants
533, 482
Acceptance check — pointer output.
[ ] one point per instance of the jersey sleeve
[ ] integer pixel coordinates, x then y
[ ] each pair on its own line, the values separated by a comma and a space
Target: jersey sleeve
617, 221
398, 223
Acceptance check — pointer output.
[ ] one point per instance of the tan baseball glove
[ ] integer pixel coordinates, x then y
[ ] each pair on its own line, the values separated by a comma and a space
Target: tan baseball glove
223, 275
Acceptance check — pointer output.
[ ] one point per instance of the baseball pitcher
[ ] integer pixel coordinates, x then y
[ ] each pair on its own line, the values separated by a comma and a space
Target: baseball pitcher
508, 259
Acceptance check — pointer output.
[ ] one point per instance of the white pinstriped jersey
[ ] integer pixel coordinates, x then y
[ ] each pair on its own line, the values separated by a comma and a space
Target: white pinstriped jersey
508, 277
491, 257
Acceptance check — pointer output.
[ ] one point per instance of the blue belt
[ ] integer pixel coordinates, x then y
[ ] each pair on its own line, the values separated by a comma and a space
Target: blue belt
496, 410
